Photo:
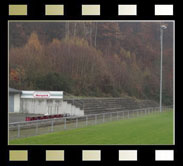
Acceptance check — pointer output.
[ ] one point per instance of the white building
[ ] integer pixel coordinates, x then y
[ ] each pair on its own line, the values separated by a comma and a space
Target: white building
41, 102
47, 103
14, 100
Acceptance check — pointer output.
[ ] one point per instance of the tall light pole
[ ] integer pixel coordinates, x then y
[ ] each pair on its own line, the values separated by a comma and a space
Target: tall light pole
162, 27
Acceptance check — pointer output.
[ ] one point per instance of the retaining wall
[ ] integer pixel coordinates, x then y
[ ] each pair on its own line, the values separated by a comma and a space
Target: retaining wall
48, 106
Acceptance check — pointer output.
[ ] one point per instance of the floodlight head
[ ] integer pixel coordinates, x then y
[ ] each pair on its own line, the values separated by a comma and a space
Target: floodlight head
163, 27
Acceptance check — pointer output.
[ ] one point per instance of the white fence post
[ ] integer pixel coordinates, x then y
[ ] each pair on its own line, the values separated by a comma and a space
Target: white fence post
86, 120
18, 131
65, 123
76, 122
36, 128
52, 125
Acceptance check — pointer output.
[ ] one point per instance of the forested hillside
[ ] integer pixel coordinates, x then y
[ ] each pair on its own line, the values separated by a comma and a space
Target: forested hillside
91, 58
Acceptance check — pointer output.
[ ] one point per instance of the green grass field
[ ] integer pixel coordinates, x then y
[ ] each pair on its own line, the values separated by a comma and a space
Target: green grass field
150, 129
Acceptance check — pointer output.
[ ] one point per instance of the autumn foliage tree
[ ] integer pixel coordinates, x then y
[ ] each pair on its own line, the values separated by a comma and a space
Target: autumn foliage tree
91, 58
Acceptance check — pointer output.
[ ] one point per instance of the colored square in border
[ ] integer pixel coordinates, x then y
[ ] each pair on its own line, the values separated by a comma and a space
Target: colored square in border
90, 10
91, 155
127, 155
54, 155
163, 10
17, 10
54, 10
164, 155
18, 155
127, 10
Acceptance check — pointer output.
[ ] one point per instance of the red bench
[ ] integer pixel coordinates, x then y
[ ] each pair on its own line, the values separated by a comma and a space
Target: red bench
43, 117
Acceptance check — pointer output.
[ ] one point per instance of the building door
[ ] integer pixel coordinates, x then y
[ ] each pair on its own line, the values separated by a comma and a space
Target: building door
11, 103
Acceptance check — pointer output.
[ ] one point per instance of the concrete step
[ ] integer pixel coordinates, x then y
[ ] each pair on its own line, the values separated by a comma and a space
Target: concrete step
100, 105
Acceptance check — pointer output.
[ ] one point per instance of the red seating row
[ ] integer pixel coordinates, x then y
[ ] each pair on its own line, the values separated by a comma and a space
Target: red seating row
43, 117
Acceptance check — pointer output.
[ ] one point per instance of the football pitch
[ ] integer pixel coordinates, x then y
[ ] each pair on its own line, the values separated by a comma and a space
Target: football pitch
153, 129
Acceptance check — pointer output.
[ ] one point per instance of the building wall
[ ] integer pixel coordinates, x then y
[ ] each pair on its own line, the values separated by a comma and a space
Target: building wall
11, 103
48, 106
17, 103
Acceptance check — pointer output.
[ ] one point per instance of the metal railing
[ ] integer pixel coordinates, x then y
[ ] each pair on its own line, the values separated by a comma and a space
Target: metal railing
37, 127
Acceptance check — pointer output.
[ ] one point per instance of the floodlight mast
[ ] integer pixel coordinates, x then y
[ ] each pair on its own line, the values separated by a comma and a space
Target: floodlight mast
162, 27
